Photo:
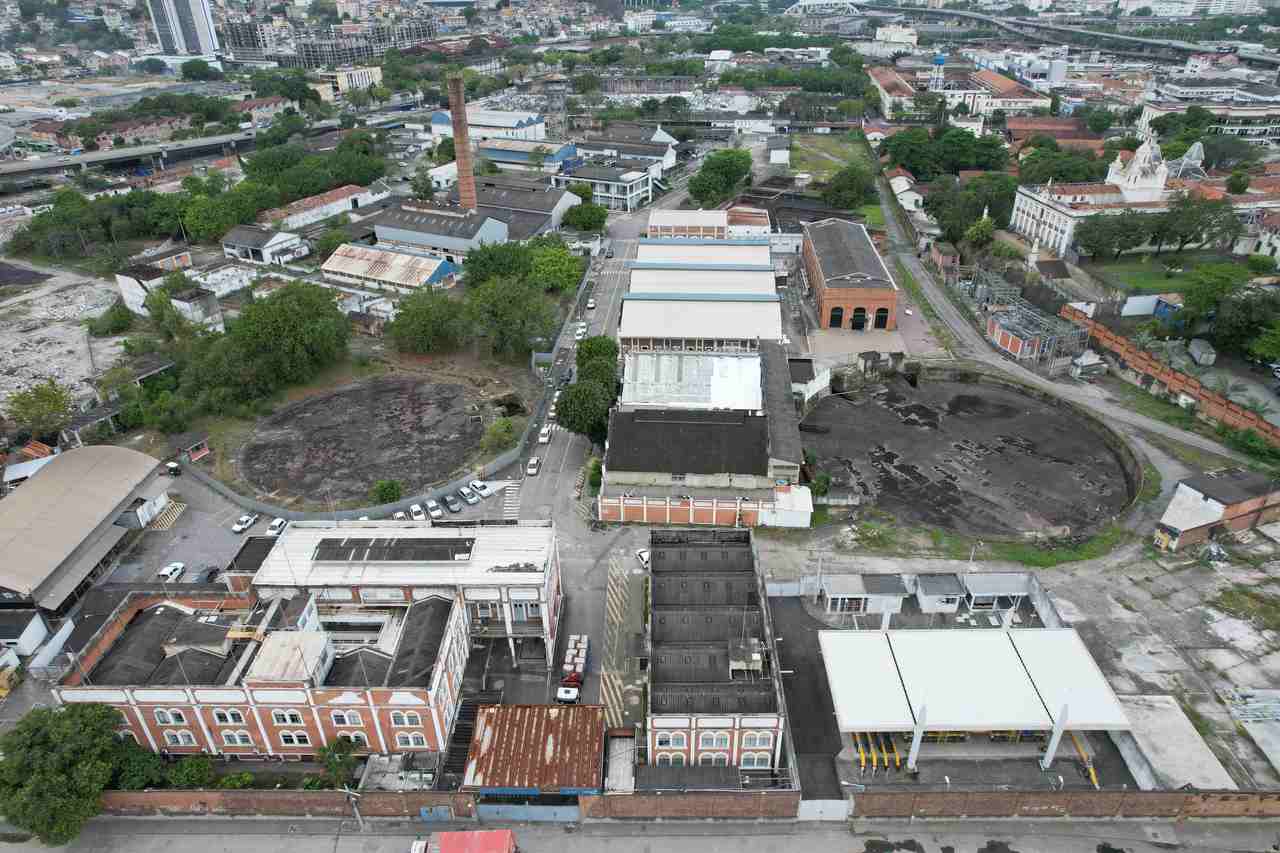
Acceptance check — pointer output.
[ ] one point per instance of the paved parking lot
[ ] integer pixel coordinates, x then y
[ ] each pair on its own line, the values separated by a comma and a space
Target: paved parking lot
201, 537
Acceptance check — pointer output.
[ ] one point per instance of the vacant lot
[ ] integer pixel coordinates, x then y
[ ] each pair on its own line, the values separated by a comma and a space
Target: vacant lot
976, 459
822, 155
1164, 273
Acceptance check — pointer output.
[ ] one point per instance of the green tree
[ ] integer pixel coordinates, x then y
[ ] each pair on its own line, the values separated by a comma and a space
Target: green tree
44, 408
1266, 345
386, 492
445, 152
538, 156
981, 233
1208, 286
586, 217
329, 242
584, 409
116, 320
555, 269
428, 320
1238, 182
423, 188
582, 191
193, 771
1096, 235
152, 66
1100, 121
492, 260
199, 70
596, 348
499, 435
1132, 229
1261, 264
512, 313
852, 186
137, 768
56, 764
720, 175
288, 337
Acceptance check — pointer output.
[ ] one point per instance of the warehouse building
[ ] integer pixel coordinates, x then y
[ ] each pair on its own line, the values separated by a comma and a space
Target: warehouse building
384, 269
850, 283
257, 245
542, 754
528, 204
442, 232
316, 208
527, 155
62, 529
492, 124
1219, 503
700, 322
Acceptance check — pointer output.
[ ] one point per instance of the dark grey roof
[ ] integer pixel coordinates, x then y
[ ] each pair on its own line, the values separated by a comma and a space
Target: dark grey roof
600, 173
940, 584
626, 131
361, 668
846, 255
445, 221
138, 654
251, 554
98, 413
740, 697
1053, 269
688, 442
143, 272
650, 777
291, 611
95, 609
537, 198
521, 224
884, 585
705, 624
650, 150
708, 588
194, 666
252, 236
778, 143
420, 641
1233, 485
14, 622
191, 632
801, 369
779, 405
673, 663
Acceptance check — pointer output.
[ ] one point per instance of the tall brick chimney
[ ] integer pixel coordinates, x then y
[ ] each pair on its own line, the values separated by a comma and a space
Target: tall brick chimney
461, 143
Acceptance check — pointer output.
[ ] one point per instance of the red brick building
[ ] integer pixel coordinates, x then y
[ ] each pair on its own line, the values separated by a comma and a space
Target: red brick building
851, 285
1216, 504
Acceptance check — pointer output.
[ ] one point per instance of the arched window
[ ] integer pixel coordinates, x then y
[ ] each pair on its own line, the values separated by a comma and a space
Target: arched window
664, 760
663, 739
677, 760
837, 318
882, 318
229, 716
179, 738
411, 740
679, 740
237, 739
859, 319
356, 738
126, 736
347, 718
405, 718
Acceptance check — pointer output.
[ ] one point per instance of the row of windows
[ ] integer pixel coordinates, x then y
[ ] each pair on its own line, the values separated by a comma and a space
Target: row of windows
750, 760
714, 740
230, 716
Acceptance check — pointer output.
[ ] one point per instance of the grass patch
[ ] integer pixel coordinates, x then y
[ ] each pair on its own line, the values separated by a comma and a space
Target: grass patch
1194, 456
1152, 482
873, 215
1201, 723
941, 333
1044, 555
1151, 273
1260, 609
813, 153
821, 516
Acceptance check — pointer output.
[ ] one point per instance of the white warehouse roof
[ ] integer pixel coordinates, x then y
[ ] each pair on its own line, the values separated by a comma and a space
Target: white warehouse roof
692, 380
704, 252
710, 319
702, 281
967, 680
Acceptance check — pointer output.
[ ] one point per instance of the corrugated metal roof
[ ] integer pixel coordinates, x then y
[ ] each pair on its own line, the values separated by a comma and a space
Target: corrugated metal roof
396, 268
532, 749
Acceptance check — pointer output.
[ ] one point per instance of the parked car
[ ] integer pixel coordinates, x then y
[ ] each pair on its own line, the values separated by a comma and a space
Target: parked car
276, 527
643, 557
451, 501
469, 496
551, 413
481, 488
609, 254
417, 513
244, 522
544, 435
433, 509
400, 516
591, 304
173, 469
211, 574
172, 572
579, 334
534, 466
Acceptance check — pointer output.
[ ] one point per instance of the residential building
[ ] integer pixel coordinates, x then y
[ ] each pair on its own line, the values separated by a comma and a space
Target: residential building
316, 208
259, 245
350, 45
64, 527
1217, 504
604, 147
250, 41
529, 205
714, 688
850, 283
444, 177
779, 148
1255, 122
492, 124
982, 92
195, 304
1201, 88
385, 269
615, 187
184, 26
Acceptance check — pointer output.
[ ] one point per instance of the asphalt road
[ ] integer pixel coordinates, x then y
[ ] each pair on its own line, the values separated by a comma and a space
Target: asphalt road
303, 835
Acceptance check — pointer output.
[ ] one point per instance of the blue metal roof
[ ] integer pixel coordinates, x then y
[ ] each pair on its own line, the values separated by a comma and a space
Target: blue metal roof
684, 265
698, 241
701, 297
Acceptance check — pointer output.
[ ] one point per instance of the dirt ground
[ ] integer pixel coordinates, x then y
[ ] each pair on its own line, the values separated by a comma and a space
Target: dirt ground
42, 335
421, 423
976, 459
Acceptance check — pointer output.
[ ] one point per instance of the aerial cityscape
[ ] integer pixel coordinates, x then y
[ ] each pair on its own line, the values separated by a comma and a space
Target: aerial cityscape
453, 426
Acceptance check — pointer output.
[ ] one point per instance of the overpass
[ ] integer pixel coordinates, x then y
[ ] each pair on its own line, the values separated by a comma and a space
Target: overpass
1045, 31
137, 153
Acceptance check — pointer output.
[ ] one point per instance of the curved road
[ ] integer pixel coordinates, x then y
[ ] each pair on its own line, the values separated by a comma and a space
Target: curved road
975, 346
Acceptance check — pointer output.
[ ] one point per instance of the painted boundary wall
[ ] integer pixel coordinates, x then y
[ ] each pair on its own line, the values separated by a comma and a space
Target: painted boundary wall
744, 805
1209, 403
699, 511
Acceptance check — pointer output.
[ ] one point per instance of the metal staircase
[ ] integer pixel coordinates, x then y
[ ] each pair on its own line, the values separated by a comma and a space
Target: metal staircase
464, 727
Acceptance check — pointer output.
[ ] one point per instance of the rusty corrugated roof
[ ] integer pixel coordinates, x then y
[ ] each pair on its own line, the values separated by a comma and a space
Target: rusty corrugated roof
532, 749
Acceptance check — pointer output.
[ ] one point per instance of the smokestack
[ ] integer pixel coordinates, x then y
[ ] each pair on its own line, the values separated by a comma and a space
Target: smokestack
461, 143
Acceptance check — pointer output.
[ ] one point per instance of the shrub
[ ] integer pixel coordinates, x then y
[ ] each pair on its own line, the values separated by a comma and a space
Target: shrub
821, 483
236, 781
1261, 264
386, 492
116, 320
194, 771
595, 475
500, 435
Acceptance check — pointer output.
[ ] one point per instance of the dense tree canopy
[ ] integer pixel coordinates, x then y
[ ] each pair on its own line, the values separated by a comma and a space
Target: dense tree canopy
720, 175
